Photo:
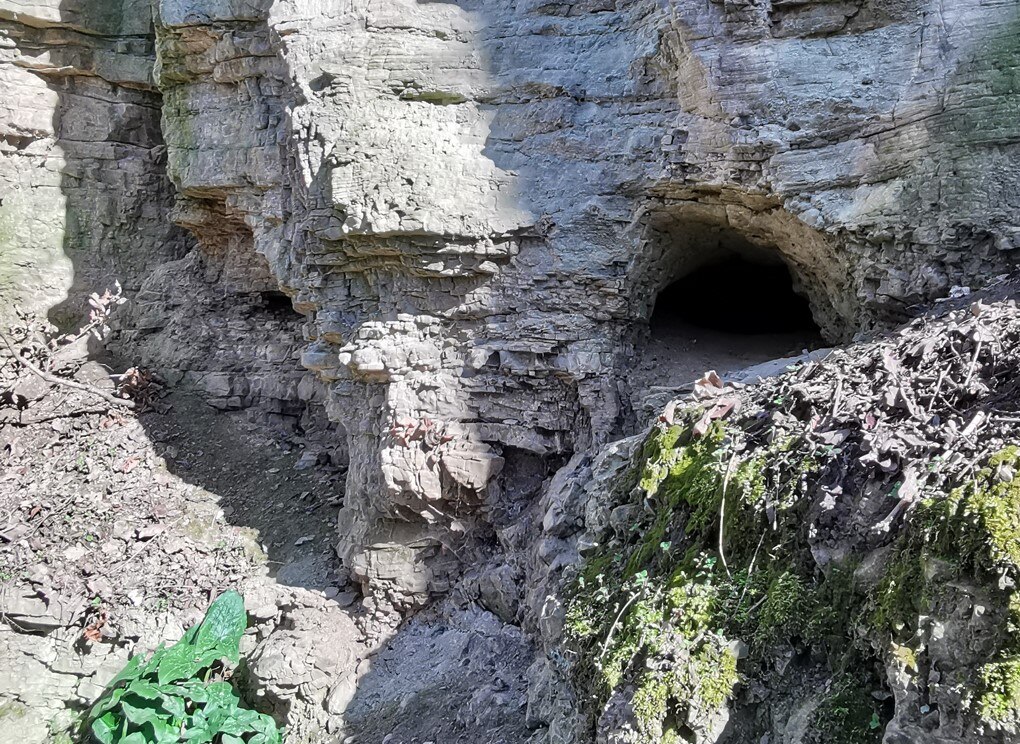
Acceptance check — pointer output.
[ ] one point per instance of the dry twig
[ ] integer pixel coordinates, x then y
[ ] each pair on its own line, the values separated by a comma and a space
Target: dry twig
54, 380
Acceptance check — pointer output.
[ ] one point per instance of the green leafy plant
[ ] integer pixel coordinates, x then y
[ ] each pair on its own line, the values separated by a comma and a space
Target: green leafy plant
178, 694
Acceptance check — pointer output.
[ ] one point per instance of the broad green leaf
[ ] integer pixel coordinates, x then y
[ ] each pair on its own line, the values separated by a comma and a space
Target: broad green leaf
198, 734
103, 728
173, 704
161, 732
184, 661
233, 726
217, 716
144, 689
198, 720
154, 662
267, 726
221, 693
189, 635
157, 710
237, 724
273, 737
108, 702
139, 714
247, 717
224, 624
163, 697
191, 689
267, 732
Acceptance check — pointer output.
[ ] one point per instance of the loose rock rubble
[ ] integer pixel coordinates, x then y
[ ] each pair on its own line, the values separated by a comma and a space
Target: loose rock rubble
124, 516
122, 524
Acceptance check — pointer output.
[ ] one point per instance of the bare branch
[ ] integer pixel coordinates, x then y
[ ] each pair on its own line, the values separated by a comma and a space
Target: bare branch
53, 379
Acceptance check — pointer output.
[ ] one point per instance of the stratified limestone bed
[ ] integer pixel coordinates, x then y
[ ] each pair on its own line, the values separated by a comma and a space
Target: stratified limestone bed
473, 206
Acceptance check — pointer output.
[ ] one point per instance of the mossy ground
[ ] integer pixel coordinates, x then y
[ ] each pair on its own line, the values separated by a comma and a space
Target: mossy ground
714, 557
720, 552
974, 533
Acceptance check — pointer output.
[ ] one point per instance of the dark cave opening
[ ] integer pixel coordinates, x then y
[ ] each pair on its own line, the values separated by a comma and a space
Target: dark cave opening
727, 308
736, 296
278, 303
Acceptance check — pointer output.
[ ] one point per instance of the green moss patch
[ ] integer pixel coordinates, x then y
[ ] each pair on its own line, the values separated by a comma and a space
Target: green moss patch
717, 559
973, 533
706, 560
848, 714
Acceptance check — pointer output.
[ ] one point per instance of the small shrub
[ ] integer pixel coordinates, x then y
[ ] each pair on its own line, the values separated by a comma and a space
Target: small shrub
173, 697
1000, 704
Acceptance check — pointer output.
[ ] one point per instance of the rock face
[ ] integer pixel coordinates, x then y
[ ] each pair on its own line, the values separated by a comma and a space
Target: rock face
84, 197
85, 202
474, 205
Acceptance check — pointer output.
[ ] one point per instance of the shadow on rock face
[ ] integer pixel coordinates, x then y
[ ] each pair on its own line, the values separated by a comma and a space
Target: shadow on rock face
450, 675
261, 481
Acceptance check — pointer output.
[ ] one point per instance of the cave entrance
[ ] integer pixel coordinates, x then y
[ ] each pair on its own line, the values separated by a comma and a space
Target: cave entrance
735, 296
278, 303
717, 298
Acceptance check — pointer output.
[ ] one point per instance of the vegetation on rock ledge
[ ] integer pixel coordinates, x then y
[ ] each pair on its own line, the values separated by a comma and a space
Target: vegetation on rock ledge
169, 697
709, 562
973, 533
711, 567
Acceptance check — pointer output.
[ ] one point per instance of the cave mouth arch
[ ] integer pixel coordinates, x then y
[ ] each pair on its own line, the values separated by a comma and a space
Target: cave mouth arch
726, 287
738, 295
680, 237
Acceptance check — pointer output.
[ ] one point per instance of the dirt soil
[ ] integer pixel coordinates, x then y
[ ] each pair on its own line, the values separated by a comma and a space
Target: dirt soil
261, 482
118, 528
205, 495
676, 353
124, 510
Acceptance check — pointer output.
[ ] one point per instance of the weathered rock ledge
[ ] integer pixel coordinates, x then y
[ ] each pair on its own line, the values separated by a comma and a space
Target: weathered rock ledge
475, 206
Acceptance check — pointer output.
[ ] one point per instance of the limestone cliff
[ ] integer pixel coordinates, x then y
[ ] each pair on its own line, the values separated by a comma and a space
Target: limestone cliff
475, 205
472, 207
84, 197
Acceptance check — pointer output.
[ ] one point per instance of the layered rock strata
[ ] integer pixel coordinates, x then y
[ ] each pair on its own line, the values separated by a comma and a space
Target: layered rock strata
84, 195
475, 205
86, 203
